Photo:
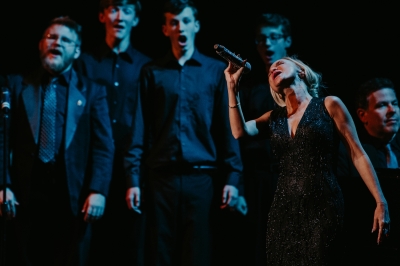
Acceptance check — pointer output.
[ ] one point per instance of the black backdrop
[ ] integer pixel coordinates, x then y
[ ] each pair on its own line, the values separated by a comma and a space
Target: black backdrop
346, 43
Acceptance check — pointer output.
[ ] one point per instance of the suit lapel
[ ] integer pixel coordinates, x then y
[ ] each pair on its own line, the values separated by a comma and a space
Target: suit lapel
76, 105
31, 96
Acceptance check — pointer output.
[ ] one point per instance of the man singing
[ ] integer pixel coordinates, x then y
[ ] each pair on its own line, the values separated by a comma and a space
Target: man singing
189, 142
62, 152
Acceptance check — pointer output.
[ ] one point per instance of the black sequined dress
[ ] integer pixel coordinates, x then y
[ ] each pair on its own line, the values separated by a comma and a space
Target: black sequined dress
306, 216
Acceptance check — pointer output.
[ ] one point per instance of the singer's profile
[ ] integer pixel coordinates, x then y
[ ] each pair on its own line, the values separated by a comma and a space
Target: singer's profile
305, 222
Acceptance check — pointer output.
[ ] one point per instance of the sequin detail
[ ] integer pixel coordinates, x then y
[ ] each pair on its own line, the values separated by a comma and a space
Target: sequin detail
306, 216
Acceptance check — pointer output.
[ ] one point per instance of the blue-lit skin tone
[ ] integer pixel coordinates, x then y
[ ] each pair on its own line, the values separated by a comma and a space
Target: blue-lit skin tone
58, 48
286, 77
181, 29
271, 51
381, 119
118, 22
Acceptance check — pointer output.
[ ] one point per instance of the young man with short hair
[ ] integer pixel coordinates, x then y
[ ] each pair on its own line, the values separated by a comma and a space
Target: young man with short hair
189, 145
119, 236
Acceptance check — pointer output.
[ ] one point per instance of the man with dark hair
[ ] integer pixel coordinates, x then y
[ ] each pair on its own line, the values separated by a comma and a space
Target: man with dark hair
116, 65
62, 150
189, 144
272, 39
378, 111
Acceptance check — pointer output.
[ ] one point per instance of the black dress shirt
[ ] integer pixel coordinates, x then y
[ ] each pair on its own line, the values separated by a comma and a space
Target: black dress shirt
119, 73
375, 150
186, 115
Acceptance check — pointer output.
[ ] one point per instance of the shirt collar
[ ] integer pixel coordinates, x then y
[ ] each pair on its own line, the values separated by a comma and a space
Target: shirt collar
368, 139
106, 51
63, 79
196, 58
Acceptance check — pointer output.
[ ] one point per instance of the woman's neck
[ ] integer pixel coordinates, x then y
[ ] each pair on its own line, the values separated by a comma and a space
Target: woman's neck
296, 98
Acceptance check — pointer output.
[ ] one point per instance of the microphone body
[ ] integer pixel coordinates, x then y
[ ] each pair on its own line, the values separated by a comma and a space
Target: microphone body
5, 100
231, 57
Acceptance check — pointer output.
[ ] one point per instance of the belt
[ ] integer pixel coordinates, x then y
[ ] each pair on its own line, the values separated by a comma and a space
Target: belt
185, 169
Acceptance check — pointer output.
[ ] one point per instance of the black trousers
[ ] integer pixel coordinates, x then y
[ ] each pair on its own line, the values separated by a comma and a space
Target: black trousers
119, 236
179, 221
48, 232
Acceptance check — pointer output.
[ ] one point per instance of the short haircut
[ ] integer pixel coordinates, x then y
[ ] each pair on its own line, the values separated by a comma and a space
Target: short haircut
369, 87
69, 23
176, 6
104, 4
274, 20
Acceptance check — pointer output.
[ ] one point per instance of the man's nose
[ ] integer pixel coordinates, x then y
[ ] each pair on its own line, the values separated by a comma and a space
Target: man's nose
393, 109
119, 15
180, 26
57, 41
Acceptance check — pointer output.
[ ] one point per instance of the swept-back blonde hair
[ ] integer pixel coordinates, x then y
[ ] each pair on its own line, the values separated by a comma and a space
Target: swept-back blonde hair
311, 78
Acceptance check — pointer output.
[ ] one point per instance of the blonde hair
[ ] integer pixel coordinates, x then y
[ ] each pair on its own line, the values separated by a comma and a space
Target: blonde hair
312, 79
277, 98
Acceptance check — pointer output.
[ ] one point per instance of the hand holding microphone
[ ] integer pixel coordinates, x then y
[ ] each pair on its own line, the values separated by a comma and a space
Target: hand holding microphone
235, 60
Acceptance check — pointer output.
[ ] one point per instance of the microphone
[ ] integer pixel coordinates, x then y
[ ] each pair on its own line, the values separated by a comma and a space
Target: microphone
231, 57
5, 100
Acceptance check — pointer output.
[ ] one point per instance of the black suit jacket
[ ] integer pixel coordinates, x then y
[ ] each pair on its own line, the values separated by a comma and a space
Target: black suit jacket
88, 147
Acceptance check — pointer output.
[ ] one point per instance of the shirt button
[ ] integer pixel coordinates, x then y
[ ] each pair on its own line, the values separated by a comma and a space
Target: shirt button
115, 102
117, 66
116, 84
183, 89
114, 121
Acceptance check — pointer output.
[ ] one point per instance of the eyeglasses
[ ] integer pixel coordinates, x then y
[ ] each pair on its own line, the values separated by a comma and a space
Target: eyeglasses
273, 38
64, 41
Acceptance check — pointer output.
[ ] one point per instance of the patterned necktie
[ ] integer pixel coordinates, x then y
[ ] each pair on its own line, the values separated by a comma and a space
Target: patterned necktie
391, 157
48, 126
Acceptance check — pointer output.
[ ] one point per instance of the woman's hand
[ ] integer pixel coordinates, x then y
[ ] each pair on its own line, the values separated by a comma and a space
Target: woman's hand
381, 221
232, 76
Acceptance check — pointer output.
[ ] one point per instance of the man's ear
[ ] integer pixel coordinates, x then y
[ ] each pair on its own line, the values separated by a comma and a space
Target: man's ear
135, 22
77, 52
362, 115
165, 30
101, 17
197, 26
288, 42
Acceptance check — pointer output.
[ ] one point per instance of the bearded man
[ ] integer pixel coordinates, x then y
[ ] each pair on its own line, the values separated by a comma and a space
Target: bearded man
62, 153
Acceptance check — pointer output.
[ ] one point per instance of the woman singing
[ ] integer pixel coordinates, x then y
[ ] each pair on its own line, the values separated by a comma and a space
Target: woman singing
306, 218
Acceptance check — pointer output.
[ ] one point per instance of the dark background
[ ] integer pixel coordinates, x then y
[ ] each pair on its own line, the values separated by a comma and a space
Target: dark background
348, 44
